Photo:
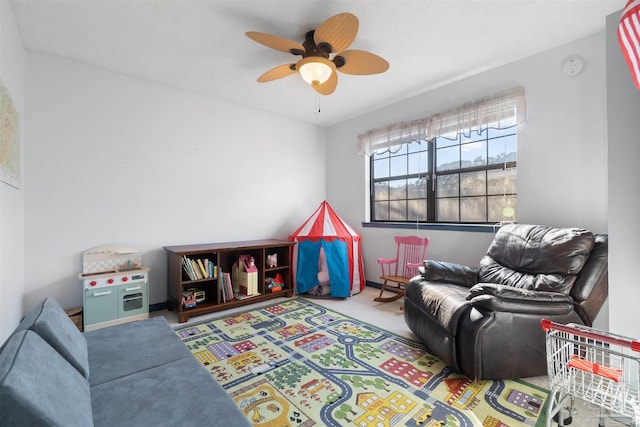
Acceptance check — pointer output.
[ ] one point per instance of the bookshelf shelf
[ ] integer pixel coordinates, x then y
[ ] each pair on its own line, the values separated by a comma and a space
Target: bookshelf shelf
222, 256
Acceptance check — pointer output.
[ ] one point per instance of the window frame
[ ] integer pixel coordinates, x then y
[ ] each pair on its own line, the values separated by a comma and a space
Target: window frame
432, 173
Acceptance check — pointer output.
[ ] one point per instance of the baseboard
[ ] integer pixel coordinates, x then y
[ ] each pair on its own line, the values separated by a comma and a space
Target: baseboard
373, 284
379, 286
158, 306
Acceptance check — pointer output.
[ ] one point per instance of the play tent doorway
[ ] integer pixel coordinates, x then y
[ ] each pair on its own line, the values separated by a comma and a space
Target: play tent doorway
328, 256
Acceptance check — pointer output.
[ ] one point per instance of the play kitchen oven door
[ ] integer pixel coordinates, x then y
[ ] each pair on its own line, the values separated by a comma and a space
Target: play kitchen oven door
132, 300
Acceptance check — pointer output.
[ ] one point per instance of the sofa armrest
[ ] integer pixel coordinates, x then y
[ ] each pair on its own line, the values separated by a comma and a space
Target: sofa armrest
496, 297
449, 272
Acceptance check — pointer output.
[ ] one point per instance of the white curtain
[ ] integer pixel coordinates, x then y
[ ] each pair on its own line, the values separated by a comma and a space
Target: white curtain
499, 111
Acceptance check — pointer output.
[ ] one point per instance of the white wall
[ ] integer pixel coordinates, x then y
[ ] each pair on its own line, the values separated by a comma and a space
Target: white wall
12, 65
562, 167
623, 103
113, 159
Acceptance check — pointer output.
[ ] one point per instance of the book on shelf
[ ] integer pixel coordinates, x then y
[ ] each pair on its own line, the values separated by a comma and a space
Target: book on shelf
188, 268
225, 291
198, 268
205, 274
229, 288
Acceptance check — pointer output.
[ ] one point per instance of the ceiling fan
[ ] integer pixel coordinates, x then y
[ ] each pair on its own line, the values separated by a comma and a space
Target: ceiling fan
323, 52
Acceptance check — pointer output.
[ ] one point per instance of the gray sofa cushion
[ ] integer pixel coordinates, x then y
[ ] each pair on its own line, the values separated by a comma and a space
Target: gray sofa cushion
140, 399
122, 350
49, 320
38, 387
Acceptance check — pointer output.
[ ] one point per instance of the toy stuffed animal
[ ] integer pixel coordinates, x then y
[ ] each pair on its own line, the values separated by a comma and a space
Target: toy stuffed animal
272, 260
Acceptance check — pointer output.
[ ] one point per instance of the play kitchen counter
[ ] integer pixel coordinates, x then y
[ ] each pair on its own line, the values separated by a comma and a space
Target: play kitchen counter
211, 277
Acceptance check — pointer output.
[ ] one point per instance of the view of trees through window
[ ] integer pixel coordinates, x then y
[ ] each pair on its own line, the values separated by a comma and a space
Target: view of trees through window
462, 179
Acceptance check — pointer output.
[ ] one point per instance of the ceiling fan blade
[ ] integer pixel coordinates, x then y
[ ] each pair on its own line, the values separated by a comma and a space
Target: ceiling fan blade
360, 62
276, 42
338, 31
277, 73
329, 86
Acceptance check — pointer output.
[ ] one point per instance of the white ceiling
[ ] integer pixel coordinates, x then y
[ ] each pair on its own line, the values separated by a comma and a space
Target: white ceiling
200, 46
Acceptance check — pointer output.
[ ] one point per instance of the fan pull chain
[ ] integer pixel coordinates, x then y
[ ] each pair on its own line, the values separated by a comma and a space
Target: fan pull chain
317, 106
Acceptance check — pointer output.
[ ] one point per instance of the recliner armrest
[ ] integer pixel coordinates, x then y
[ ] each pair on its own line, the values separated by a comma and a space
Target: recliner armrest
449, 272
496, 297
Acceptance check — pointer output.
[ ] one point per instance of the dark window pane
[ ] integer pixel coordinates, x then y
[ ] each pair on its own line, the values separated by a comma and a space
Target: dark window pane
512, 180
417, 188
448, 185
473, 184
448, 210
497, 182
448, 158
497, 211
473, 154
502, 182
473, 209
398, 210
380, 169
417, 210
381, 190
398, 189
381, 211
398, 165
418, 162
502, 149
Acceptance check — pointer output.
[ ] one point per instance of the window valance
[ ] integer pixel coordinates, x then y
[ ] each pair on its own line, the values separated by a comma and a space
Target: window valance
499, 111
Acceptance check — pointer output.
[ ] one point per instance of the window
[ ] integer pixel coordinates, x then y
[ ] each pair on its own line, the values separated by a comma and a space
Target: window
464, 179
459, 166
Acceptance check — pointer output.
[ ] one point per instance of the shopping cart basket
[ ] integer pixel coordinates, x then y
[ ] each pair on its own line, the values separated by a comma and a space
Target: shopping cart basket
596, 366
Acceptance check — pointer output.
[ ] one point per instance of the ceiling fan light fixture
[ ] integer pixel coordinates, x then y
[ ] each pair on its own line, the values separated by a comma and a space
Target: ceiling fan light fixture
315, 70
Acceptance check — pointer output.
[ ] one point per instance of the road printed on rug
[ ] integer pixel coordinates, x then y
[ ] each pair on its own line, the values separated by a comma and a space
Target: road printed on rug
299, 364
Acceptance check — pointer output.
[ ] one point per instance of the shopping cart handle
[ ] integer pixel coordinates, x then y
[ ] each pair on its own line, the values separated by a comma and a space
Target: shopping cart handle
584, 331
545, 324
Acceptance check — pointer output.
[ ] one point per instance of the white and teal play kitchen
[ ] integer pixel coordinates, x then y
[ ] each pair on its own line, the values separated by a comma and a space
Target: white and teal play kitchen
115, 286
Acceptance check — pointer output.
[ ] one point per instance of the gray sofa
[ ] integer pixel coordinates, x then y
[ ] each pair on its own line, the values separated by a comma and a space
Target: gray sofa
135, 374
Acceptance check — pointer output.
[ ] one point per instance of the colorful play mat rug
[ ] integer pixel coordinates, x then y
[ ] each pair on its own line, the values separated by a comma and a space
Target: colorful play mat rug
299, 364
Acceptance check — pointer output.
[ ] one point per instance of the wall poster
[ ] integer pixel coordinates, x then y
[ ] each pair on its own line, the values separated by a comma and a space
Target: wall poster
9, 139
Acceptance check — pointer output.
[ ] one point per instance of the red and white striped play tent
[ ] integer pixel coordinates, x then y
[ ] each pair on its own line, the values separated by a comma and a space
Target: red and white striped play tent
327, 246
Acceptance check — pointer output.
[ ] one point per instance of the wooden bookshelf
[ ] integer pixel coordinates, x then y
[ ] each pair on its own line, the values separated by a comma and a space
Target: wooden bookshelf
223, 256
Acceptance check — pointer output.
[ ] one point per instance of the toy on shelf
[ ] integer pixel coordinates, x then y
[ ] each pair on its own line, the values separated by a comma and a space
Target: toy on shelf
245, 275
188, 299
198, 294
272, 260
270, 285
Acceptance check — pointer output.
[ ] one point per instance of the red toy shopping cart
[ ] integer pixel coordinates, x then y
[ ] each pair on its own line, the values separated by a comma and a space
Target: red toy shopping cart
596, 366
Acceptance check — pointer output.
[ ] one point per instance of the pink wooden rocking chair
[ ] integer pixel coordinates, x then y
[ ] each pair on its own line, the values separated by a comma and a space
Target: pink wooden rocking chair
397, 272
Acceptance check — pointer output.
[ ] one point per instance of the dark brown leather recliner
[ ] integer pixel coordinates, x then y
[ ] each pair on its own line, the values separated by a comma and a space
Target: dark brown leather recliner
484, 322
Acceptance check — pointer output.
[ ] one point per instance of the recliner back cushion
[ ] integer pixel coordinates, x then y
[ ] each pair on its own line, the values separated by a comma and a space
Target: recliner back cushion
536, 257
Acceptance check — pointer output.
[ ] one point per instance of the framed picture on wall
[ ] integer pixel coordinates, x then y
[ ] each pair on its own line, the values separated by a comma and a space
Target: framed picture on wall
9, 139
